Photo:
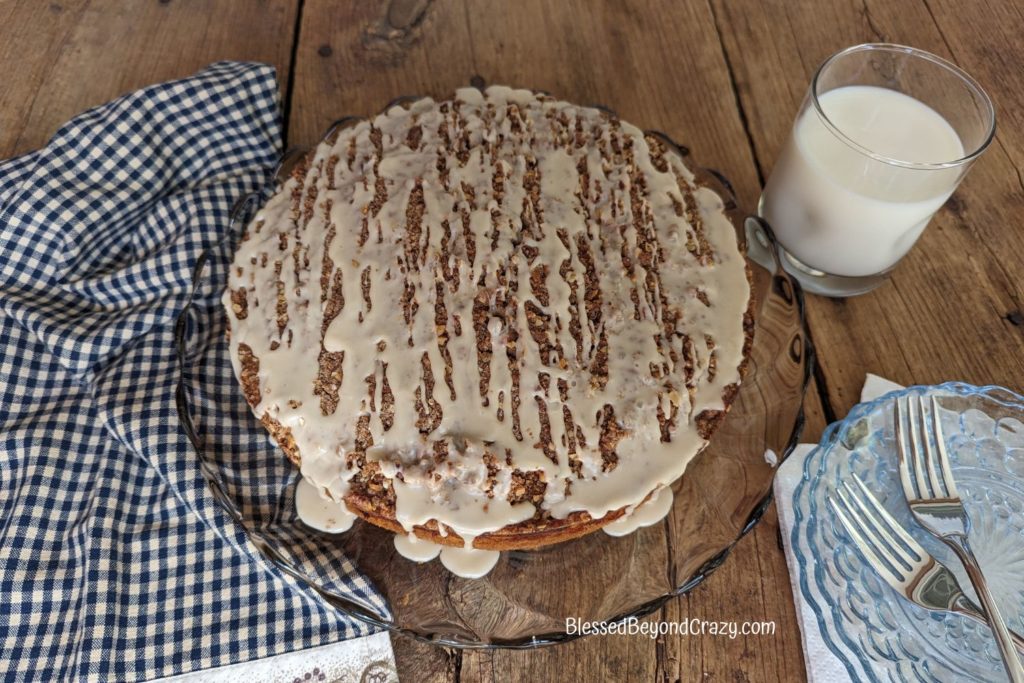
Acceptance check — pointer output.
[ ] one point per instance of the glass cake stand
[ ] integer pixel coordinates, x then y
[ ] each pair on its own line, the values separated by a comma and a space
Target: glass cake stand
526, 599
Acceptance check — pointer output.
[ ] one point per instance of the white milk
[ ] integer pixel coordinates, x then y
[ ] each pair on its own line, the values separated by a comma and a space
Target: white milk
838, 210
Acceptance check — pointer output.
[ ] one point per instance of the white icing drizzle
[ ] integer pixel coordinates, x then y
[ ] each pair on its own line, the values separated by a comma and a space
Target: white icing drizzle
651, 511
374, 262
469, 563
319, 511
416, 549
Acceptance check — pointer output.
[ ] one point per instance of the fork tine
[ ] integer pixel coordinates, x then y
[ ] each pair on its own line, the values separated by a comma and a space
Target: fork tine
858, 539
903, 450
940, 444
928, 450
915, 443
866, 507
917, 552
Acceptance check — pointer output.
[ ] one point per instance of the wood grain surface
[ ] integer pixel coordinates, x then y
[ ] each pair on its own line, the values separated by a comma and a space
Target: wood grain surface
724, 77
65, 56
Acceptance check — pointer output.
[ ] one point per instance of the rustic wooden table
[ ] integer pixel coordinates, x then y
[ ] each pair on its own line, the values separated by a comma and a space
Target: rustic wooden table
725, 77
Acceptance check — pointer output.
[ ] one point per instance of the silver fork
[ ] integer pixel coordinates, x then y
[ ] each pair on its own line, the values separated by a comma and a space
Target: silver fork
933, 499
898, 558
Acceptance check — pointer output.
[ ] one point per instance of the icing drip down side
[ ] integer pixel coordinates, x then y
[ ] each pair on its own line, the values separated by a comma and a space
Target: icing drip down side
487, 310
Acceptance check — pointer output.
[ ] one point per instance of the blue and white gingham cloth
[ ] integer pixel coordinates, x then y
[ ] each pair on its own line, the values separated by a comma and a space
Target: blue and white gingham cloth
116, 563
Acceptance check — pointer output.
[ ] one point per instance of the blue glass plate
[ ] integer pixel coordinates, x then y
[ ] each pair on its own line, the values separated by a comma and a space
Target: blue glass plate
877, 634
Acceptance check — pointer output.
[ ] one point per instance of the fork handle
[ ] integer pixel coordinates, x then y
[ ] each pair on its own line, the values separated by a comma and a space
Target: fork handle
962, 548
966, 607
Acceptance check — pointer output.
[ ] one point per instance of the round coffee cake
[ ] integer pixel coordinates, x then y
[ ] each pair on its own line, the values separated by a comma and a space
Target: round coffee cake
499, 319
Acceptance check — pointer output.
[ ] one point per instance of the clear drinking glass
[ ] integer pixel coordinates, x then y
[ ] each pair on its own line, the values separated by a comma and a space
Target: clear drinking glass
882, 139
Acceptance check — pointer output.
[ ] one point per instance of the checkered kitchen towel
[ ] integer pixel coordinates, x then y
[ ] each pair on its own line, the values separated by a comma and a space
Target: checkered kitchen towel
116, 563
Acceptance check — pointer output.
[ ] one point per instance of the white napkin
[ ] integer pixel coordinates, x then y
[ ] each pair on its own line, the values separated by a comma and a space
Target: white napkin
369, 658
822, 666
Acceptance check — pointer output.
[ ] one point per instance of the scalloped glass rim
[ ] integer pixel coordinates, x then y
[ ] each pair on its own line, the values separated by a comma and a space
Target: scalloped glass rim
832, 436
781, 282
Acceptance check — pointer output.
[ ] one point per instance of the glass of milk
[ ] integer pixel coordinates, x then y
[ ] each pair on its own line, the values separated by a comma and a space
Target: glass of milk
884, 136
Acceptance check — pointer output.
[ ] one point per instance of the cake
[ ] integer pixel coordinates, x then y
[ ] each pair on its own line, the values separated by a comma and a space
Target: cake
496, 321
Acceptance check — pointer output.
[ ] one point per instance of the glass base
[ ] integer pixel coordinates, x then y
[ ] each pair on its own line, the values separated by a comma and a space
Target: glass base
764, 250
